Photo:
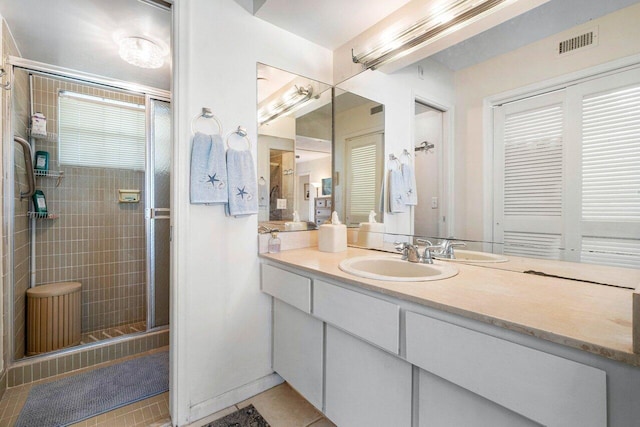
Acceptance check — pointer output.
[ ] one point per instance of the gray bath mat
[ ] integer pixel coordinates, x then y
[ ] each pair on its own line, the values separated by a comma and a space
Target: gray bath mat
245, 417
78, 397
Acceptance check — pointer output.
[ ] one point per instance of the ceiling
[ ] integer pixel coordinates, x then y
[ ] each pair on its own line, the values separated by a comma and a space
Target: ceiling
331, 23
328, 23
82, 35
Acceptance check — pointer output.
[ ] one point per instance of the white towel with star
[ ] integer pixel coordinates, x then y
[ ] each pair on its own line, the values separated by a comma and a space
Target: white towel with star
243, 187
397, 203
409, 179
208, 170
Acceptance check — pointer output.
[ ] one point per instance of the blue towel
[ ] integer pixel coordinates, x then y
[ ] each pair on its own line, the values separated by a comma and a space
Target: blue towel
409, 179
208, 170
243, 187
397, 195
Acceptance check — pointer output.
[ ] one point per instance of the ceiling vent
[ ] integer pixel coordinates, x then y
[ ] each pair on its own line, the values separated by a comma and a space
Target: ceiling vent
583, 41
377, 109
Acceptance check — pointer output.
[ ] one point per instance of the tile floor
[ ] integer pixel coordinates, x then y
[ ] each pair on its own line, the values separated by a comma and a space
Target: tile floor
281, 406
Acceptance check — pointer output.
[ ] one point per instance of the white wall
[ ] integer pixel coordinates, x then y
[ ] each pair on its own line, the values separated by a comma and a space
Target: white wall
220, 334
619, 36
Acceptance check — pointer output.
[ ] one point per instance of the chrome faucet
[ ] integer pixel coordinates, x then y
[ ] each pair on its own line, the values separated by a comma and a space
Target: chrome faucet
412, 253
427, 257
446, 248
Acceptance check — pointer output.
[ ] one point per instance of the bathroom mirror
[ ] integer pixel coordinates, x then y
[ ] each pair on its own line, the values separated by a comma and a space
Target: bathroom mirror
294, 148
358, 157
457, 88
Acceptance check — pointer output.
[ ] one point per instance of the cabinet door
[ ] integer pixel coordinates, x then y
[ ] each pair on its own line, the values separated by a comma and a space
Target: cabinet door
444, 404
548, 389
365, 386
297, 350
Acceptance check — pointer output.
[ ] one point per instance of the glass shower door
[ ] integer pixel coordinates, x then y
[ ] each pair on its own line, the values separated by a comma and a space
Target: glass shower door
158, 211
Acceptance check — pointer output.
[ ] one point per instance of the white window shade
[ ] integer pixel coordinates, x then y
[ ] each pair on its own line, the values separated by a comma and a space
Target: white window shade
533, 162
100, 133
611, 156
362, 188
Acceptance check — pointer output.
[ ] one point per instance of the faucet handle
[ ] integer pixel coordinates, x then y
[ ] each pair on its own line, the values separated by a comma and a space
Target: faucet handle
402, 247
424, 242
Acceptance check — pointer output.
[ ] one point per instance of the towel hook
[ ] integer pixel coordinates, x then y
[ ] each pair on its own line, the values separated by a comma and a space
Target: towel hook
7, 85
405, 155
206, 113
395, 160
241, 132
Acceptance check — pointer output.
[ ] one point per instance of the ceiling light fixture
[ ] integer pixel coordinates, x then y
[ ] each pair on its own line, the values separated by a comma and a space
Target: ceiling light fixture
142, 52
290, 101
449, 16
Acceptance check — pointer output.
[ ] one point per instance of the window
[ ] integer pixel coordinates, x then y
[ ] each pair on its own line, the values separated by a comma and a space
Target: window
364, 177
567, 173
97, 132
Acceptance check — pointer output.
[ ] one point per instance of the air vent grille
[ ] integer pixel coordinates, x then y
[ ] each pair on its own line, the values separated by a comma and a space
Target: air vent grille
377, 109
578, 42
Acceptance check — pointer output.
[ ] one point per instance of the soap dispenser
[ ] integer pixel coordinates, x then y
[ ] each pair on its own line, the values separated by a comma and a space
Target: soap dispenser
274, 243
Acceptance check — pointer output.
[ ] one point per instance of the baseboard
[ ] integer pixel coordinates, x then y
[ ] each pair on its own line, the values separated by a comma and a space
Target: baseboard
218, 403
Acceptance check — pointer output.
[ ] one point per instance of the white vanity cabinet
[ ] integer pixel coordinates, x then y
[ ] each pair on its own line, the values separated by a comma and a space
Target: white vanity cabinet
367, 359
365, 386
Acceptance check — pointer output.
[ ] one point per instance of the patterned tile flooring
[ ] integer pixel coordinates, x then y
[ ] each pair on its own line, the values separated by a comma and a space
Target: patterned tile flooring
281, 406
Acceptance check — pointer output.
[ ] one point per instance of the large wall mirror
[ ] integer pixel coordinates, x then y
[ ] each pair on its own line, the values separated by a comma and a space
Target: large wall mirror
454, 113
294, 149
466, 117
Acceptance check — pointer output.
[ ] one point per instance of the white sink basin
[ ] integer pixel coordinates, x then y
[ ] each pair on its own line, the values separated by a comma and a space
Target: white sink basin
462, 255
394, 269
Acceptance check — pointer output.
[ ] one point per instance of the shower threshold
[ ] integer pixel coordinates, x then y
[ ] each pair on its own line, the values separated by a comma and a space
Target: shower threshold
116, 331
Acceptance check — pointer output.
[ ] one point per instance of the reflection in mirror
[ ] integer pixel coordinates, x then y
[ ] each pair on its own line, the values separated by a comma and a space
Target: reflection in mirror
358, 157
567, 196
294, 148
428, 138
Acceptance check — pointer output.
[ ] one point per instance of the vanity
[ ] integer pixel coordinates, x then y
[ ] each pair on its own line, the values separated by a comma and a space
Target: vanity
485, 347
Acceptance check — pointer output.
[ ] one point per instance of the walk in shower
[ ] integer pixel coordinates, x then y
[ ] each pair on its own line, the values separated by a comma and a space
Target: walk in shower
103, 167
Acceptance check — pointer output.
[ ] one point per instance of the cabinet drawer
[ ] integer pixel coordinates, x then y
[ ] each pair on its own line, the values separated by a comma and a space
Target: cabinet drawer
372, 319
548, 389
288, 287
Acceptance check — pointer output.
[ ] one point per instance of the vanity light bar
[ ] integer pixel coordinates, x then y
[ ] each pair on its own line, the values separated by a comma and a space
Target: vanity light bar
447, 19
292, 100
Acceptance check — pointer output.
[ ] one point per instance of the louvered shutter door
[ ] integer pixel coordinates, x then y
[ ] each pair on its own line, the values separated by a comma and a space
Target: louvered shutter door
363, 175
528, 184
610, 162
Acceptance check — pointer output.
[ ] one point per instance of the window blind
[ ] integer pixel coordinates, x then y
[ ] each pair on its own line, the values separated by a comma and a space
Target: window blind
362, 188
100, 133
533, 162
611, 155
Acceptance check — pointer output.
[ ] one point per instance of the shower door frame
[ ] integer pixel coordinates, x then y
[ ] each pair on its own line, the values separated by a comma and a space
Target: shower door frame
149, 93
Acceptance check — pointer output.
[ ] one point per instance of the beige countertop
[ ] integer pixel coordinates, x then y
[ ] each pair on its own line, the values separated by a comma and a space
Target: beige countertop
590, 317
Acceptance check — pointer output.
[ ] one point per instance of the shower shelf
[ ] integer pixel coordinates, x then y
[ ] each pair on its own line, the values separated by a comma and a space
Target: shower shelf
51, 136
39, 173
38, 215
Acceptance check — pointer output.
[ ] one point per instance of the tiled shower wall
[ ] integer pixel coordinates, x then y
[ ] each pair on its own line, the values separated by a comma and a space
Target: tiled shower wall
21, 248
95, 240
8, 49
